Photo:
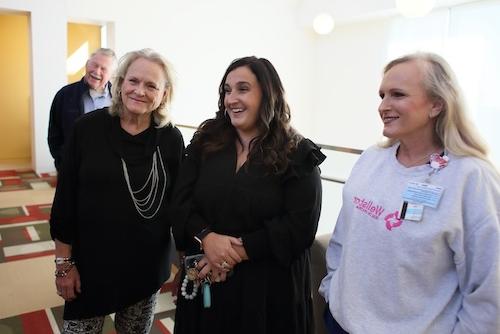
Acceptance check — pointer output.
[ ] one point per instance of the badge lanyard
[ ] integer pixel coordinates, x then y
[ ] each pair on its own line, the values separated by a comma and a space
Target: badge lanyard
417, 195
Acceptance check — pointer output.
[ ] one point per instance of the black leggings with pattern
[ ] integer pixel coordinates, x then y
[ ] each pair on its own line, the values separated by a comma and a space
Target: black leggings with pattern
135, 319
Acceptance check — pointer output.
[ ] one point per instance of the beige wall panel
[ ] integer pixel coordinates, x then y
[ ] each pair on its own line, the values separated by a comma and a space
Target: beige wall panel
83, 39
15, 91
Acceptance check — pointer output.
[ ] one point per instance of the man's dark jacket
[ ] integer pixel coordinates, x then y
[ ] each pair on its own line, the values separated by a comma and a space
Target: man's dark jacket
66, 108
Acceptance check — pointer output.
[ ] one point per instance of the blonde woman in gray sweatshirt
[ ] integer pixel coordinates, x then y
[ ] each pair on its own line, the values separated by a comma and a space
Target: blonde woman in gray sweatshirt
416, 245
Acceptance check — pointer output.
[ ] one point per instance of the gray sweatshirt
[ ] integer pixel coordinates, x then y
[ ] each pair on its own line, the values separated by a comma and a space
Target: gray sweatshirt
438, 275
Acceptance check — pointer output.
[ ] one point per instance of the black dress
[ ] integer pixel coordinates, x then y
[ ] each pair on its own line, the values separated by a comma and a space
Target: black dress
122, 258
276, 216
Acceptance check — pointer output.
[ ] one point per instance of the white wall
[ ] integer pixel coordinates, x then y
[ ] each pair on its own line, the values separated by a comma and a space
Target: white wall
348, 77
200, 38
348, 71
351, 59
332, 81
474, 51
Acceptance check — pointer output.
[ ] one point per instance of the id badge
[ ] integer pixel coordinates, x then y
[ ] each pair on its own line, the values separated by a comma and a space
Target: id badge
411, 211
423, 193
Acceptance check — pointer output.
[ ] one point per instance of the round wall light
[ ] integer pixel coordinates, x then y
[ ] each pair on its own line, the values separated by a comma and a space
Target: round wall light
323, 23
415, 8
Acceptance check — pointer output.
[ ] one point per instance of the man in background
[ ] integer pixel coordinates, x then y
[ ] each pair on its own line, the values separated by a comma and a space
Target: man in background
92, 92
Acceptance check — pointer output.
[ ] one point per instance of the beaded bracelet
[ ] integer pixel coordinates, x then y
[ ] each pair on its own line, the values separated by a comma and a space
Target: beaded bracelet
64, 272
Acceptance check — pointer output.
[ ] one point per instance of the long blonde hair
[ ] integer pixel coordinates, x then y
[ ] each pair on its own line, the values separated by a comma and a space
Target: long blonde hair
161, 115
453, 128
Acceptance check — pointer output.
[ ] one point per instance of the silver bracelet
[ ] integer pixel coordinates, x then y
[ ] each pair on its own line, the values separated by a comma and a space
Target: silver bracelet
63, 260
64, 272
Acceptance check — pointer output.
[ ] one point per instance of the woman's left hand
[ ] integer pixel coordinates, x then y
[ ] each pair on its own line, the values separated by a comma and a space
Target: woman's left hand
220, 252
69, 286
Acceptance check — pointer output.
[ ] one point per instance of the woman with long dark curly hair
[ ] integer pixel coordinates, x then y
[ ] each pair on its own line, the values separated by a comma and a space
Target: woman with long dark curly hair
248, 201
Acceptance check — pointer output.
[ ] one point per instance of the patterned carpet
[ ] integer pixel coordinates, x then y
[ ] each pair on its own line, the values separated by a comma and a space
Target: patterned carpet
24, 234
25, 179
49, 321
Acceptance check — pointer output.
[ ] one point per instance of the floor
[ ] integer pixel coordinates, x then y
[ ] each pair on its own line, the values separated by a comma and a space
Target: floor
28, 300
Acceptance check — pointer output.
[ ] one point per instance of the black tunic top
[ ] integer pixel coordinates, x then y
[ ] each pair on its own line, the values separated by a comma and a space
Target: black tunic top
276, 216
122, 258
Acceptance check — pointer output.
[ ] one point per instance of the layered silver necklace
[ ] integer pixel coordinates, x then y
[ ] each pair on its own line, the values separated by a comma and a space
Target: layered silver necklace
144, 204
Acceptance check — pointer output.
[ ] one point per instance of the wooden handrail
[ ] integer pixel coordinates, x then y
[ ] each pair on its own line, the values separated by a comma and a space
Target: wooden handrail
186, 126
332, 179
340, 148
325, 146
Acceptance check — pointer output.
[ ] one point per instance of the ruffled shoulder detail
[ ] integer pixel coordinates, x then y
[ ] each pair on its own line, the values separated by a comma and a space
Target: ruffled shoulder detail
304, 159
193, 152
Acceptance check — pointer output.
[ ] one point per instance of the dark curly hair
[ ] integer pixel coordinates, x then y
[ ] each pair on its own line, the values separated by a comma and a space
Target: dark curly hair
276, 140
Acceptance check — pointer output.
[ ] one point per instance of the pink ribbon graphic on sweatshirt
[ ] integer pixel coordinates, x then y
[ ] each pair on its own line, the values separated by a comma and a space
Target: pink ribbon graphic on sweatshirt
392, 220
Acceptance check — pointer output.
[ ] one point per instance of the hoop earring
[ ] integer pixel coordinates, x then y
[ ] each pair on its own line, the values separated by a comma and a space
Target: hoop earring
225, 113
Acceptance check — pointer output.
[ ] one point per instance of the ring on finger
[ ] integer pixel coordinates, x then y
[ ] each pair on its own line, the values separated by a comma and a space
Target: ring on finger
224, 265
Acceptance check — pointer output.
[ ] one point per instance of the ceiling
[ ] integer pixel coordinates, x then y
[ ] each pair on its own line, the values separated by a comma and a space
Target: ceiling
348, 11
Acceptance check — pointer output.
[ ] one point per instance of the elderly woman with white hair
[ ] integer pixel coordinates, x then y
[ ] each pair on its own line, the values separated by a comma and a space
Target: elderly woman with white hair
110, 220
